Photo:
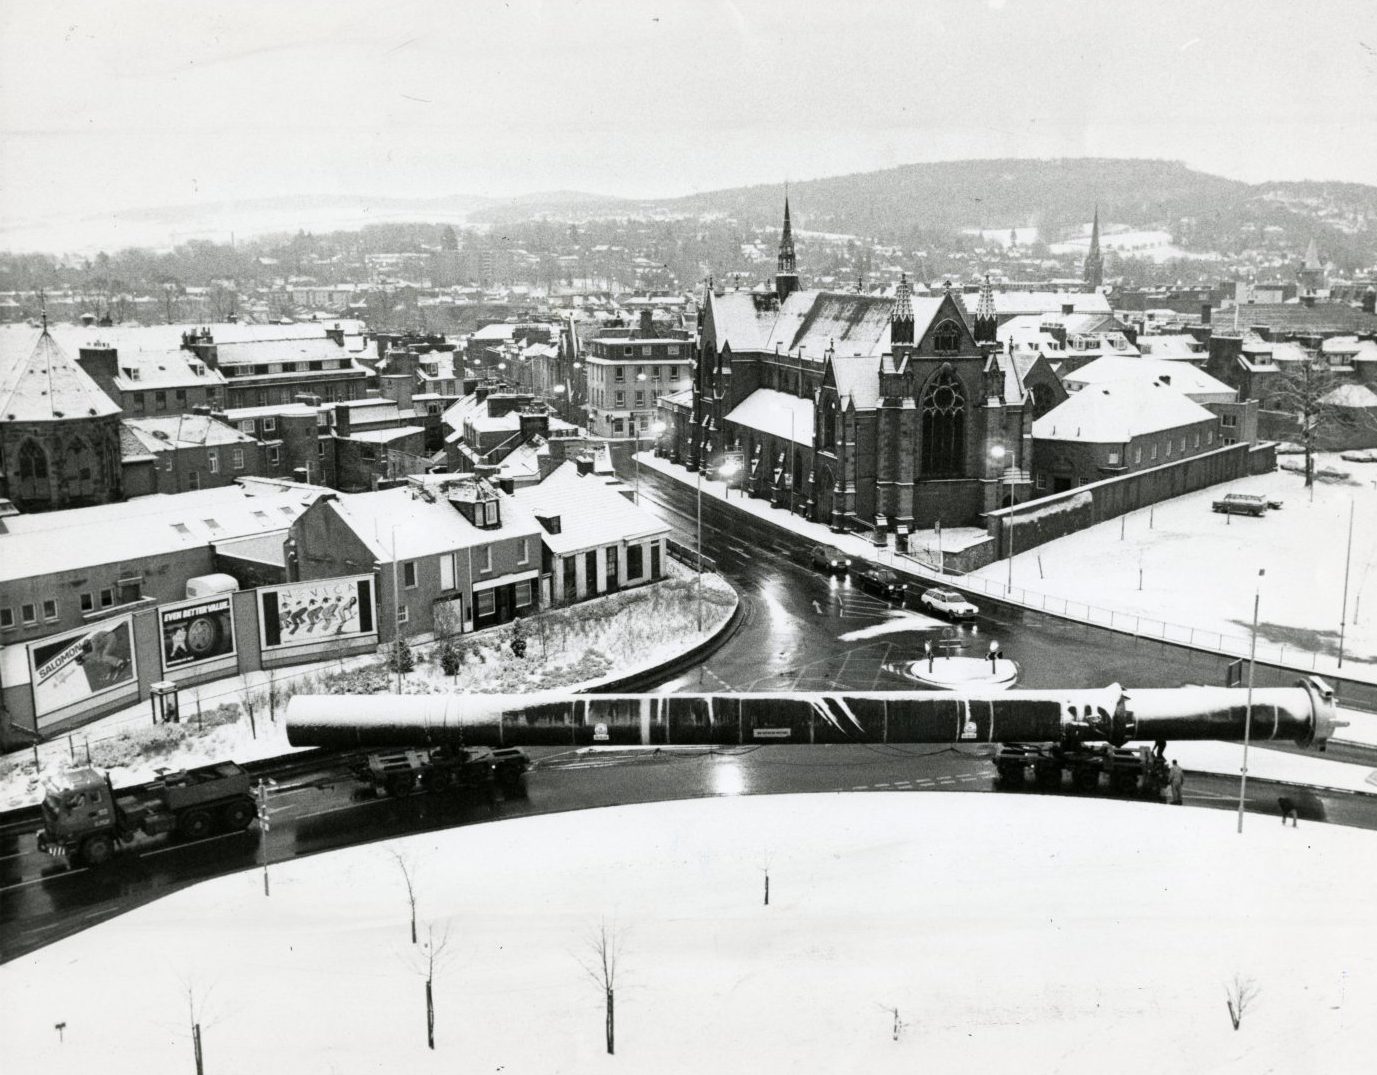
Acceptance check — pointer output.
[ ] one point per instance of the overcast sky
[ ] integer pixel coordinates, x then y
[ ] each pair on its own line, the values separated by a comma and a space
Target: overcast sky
108, 106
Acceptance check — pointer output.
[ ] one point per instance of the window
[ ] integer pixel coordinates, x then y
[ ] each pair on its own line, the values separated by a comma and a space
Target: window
246, 426
195, 479
160, 401
1209, 436
619, 373
522, 594
1183, 445
1228, 421
1138, 454
409, 574
213, 524
29, 613
269, 424
315, 365
944, 425
673, 349
485, 564
619, 400
50, 610
6, 618
181, 399
486, 603
1197, 438
107, 598
490, 512
137, 397
403, 614
1168, 452
947, 337
88, 602
524, 551
1040, 481
320, 449
1154, 453
213, 460
239, 459
654, 373
1113, 459
640, 399
635, 561
612, 567
289, 367
274, 455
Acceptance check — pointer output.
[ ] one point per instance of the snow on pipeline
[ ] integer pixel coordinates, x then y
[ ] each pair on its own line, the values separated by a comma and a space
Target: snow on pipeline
902, 933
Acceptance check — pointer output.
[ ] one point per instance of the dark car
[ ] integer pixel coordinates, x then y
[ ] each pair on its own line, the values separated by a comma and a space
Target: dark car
829, 558
879, 580
1242, 504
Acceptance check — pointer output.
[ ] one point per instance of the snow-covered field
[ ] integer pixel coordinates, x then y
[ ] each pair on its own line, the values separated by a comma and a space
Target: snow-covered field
1200, 568
1028, 933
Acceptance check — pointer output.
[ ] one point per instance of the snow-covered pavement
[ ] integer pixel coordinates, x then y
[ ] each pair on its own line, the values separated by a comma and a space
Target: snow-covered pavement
986, 927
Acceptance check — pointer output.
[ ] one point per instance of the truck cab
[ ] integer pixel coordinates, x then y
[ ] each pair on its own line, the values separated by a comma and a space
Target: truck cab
79, 810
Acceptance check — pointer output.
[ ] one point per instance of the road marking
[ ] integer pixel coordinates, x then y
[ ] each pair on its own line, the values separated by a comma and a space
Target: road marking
861, 787
946, 780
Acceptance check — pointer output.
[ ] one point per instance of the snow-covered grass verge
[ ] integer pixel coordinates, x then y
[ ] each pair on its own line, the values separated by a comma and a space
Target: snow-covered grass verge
993, 933
574, 647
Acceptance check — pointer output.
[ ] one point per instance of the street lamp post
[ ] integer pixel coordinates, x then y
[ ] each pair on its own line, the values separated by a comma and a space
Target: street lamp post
1248, 712
997, 454
1348, 560
656, 429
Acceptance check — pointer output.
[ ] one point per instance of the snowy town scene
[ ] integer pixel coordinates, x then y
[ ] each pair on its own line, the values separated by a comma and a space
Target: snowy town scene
714, 536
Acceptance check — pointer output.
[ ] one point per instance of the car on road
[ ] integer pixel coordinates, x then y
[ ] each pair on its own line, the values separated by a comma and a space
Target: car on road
879, 580
948, 603
829, 558
1242, 504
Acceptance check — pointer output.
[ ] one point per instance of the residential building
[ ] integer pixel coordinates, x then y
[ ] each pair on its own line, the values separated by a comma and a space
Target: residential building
1115, 427
181, 452
449, 554
595, 541
625, 375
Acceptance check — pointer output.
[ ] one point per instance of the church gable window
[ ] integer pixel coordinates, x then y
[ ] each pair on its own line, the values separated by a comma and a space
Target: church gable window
33, 463
943, 407
947, 337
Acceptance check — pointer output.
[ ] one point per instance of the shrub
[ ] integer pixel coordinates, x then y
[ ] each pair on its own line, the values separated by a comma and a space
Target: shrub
450, 659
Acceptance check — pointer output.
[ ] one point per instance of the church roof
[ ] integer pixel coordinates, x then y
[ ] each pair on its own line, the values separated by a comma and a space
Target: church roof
49, 386
858, 381
810, 322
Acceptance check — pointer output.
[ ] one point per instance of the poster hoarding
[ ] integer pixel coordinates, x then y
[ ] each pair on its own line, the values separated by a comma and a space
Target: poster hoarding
322, 610
82, 664
196, 631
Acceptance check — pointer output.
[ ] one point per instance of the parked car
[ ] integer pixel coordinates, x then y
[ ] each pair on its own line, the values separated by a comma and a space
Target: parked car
1242, 504
948, 603
879, 580
829, 558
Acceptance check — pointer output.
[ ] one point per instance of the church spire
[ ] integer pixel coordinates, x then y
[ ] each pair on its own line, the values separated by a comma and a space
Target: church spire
986, 320
901, 317
786, 272
1094, 261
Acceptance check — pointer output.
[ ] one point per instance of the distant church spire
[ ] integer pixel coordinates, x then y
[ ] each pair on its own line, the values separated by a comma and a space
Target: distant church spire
1094, 261
901, 317
786, 272
986, 321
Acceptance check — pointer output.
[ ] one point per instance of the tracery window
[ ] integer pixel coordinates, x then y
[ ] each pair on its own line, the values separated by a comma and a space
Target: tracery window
947, 337
943, 408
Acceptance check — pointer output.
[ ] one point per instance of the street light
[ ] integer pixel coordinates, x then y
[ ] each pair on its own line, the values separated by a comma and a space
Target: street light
1248, 712
728, 471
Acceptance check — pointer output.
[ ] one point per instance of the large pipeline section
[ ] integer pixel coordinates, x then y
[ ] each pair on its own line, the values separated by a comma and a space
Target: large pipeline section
1303, 714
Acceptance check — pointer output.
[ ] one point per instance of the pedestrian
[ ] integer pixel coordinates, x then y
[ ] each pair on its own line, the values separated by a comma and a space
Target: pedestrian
1287, 806
1175, 779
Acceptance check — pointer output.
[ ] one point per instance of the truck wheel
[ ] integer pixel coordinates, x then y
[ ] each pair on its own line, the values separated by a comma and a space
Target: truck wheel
1011, 776
1085, 778
1047, 774
96, 851
495, 796
236, 816
399, 786
1123, 782
514, 786
195, 824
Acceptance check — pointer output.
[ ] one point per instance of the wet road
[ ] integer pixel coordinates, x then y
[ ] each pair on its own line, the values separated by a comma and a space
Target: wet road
43, 900
795, 621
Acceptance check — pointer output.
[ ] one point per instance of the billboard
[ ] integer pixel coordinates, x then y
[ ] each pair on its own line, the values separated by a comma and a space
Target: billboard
81, 664
323, 610
196, 631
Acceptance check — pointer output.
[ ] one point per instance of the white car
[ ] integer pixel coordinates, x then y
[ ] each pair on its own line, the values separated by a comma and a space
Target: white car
948, 603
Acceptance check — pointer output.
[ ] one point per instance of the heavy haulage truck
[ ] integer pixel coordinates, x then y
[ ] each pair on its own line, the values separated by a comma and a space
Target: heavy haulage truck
1080, 734
86, 821
400, 772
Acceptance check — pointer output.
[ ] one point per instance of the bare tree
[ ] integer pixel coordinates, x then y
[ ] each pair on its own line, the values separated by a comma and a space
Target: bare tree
898, 1026
433, 953
602, 968
1240, 993
765, 869
248, 697
1306, 391
408, 869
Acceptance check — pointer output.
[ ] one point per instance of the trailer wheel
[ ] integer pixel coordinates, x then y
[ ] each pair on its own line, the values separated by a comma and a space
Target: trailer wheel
1123, 782
195, 824
495, 796
96, 850
400, 785
1047, 774
1009, 775
236, 816
514, 786
1085, 778
438, 780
